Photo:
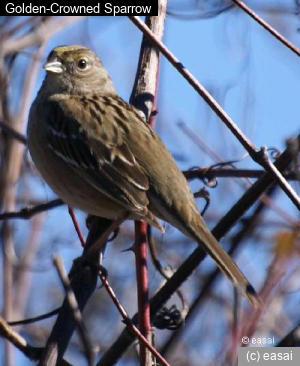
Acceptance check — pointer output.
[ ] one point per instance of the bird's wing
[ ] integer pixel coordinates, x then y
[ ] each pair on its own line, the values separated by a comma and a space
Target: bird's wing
83, 133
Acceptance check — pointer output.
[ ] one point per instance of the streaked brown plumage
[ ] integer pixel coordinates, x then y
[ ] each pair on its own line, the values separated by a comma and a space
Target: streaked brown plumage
97, 154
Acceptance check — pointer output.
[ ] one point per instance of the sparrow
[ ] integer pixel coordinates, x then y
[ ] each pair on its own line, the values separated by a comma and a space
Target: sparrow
98, 154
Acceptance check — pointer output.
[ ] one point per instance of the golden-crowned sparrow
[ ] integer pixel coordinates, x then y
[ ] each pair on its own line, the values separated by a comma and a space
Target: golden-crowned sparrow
96, 152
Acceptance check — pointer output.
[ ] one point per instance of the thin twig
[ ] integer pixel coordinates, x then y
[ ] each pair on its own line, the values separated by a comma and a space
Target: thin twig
129, 323
42, 32
34, 319
208, 173
267, 26
76, 226
12, 31
83, 277
13, 133
27, 212
19, 342
281, 212
87, 344
33, 353
200, 142
258, 155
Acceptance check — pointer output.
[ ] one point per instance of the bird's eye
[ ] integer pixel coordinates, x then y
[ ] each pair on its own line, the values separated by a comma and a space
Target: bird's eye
82, 64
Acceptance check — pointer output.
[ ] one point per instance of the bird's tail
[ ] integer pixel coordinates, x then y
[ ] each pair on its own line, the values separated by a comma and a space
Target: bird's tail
208, 242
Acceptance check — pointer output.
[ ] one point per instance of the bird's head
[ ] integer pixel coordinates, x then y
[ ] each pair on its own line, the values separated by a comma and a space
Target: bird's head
76, 69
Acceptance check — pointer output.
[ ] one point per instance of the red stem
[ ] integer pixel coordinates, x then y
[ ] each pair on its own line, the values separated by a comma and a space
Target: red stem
142, 285
76, 225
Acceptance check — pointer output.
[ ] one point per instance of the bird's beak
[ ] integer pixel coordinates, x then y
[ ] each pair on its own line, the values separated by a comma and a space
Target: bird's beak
54, 67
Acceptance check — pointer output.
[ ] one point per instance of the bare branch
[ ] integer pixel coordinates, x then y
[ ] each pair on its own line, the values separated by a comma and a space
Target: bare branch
83, 277
210, 173
144, 90
13, 133
40, 34
129, 323
76, 226
33, 353
27, 212
19, 342
267, 26
73, 305
34, 319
